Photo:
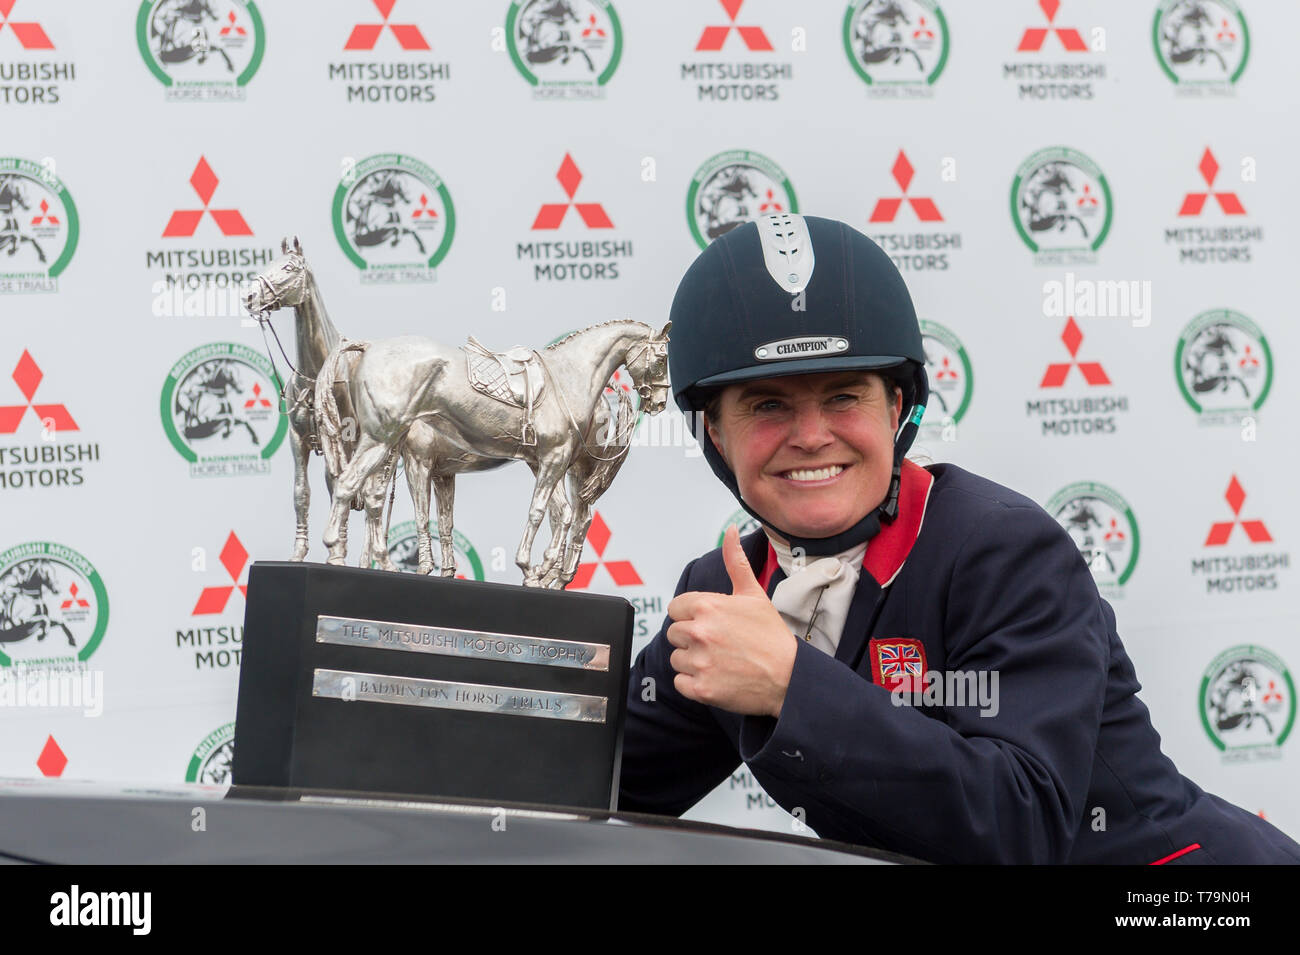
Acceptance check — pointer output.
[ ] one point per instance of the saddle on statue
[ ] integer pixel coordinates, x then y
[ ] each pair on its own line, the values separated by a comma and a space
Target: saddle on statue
513, 377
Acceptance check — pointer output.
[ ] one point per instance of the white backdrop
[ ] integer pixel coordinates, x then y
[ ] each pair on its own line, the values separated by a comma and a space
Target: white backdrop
156, 167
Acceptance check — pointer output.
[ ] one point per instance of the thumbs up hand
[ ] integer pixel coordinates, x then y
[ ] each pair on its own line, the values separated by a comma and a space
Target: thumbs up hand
733, 651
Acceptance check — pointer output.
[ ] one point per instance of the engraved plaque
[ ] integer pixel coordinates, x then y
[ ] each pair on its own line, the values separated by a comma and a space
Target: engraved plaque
443, 694
441, 669
448, 641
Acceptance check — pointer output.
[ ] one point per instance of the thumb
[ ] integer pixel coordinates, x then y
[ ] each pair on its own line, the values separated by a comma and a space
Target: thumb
743, 581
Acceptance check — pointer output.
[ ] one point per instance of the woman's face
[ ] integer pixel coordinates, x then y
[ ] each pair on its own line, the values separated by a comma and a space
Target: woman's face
812, 453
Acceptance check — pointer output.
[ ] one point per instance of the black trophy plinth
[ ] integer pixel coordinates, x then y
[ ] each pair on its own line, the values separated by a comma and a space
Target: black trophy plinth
378, 681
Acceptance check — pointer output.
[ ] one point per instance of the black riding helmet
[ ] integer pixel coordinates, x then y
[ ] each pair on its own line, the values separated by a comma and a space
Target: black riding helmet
795, 295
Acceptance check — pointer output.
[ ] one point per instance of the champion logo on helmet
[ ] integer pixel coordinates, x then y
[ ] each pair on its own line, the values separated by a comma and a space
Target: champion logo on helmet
800, 348
1214, 232
1202, 46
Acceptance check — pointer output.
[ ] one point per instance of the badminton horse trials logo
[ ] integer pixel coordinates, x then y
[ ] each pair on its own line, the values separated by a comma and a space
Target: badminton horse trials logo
1247, 703
38, 226
896, 43
565, 49
1201, 45
1102, 526
1224, 366
393, 218
201, 50
1061, 205
53, 606
220, 410
213, 758
733, 187
404, 551
952, 381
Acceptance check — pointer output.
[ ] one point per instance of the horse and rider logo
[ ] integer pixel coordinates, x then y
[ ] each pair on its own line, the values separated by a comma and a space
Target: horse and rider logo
1223, 365
393, 214
38, 223
213, 757
201, 49
220, 410
951, 379
564, 48
1061, 203
732, 188
404, 551
1201, 42
1102, 526
53, 606
892, 43
1247, 701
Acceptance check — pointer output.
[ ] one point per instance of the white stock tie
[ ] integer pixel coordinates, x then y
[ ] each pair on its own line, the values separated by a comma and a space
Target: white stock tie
814, 598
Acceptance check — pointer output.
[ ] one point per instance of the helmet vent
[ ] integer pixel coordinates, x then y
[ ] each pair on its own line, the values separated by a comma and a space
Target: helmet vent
787, 250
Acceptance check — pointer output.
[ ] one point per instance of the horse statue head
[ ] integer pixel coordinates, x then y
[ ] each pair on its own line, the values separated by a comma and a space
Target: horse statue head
647, 363
284, 285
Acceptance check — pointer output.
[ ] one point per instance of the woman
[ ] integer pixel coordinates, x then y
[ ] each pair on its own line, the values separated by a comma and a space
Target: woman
915, 659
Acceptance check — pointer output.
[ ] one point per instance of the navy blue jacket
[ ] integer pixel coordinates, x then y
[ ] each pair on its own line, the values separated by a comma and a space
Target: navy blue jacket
971, 576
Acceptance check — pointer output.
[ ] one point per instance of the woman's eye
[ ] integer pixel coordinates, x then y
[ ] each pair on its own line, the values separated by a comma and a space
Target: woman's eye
771, 404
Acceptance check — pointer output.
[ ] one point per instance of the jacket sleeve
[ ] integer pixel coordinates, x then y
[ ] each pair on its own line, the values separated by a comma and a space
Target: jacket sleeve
1008, 787
674, 750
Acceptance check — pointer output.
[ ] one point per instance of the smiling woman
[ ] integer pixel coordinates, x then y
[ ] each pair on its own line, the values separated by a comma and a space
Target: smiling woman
797, 340
812, 452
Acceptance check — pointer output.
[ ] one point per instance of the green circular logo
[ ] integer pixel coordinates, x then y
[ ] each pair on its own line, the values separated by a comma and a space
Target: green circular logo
900, 43
1223, 365
220, 410
732, 188
565, 50
53, 606
1247, 700
38, 224
404, 551
952, 381
201, 49
745, 523
1102, 526
1201, 42
1061, 202
213, 757
393, 218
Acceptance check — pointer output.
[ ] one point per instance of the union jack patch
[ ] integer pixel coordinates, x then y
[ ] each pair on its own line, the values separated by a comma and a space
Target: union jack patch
895, 659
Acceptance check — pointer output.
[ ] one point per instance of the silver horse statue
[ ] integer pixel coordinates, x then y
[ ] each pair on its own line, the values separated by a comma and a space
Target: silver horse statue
400, 382
432, 463
289, 283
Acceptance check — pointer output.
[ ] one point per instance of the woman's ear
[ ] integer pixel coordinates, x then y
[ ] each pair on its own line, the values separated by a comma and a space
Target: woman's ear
715, 435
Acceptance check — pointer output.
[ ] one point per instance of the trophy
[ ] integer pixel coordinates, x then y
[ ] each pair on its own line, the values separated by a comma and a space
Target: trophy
369, 679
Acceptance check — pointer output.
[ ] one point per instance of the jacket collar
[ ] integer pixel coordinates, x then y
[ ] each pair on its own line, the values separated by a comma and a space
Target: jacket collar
886, 552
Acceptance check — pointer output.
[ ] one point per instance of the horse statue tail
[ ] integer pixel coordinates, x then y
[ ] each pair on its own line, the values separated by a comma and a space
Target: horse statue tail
329, 427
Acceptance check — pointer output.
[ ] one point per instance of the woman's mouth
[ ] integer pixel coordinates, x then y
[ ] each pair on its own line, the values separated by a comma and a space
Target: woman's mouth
813, 476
